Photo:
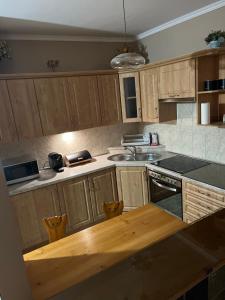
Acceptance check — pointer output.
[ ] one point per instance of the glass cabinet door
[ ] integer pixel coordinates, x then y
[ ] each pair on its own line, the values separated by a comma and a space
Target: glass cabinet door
130, 97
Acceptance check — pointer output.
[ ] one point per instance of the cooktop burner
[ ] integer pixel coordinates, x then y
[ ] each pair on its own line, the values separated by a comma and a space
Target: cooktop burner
181, 164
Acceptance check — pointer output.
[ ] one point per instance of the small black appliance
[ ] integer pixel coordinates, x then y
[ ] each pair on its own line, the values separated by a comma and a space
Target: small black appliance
55, 161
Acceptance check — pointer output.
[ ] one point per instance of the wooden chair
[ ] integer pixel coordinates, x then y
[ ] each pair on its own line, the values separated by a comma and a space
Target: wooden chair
56, 227
113, 209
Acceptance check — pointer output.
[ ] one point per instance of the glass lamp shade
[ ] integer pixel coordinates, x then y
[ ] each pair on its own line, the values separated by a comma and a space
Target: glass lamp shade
130, 60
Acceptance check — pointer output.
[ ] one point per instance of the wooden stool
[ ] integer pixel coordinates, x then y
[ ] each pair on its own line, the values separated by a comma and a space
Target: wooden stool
113, 209
56, 227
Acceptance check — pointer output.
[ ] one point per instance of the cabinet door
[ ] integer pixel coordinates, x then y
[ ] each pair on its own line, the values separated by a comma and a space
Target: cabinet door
54, 104
76, 202
177, 80
130, 97
149, 95
132, 186
103, 188
86, 97
166, 89
30, 209
109, 94
8, 131
25, 109
184, 79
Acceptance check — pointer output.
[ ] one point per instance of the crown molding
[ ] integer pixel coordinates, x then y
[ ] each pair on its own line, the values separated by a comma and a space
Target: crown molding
206, 9
65, 38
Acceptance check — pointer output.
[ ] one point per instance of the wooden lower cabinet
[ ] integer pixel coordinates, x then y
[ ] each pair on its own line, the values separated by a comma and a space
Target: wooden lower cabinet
132, 186
76, 202
30, 208
199, 202
103, 188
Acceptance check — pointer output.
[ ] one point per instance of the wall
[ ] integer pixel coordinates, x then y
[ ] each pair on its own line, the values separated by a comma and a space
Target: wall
186, 137
185, 37
96, 140
13, 281
31, 56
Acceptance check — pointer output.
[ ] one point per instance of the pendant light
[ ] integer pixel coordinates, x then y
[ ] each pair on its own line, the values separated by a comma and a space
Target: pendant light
127, 60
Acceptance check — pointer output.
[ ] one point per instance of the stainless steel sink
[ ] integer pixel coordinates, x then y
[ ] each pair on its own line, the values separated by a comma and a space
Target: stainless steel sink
121, 157
137, 157
146, 156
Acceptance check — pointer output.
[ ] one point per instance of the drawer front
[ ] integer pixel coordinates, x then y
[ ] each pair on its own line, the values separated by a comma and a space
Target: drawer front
189, 219
201, 203
206, 193
195, 211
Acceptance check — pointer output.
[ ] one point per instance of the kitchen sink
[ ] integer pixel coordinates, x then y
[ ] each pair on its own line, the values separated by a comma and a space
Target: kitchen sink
137, 157
121, 157
147, 156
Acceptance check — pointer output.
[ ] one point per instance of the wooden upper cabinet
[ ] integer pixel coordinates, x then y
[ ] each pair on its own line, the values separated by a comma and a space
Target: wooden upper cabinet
85, 97
30, 208
177, 80
25, 108
103, 188
109, 94
149, 95
54, 101
8, 131
130, 97
76, 202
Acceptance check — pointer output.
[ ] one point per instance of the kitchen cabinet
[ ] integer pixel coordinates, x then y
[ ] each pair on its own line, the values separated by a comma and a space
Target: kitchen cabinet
8, 132
132, 186
199, 201
25, 108
55, 106
109, 96
103, 188
30, 208
76, 202
177, 80
85, 97
149, 95
130, 97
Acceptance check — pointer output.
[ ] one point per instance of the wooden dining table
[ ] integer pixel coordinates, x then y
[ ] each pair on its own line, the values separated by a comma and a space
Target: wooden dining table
70, 261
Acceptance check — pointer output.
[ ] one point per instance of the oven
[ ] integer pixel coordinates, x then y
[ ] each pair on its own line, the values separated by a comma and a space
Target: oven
166, 192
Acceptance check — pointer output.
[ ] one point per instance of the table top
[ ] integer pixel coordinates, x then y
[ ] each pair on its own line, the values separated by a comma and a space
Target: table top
60, 265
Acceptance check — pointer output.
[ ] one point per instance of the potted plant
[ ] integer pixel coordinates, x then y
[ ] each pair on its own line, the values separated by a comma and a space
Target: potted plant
4, 50
215, 39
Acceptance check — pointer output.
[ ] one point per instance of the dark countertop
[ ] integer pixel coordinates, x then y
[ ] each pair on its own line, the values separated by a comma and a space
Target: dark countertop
212, 174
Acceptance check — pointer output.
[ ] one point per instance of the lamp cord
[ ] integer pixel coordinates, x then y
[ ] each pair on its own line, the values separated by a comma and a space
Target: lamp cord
124, 19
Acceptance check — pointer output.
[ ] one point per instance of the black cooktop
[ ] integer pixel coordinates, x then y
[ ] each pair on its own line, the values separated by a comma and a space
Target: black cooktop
181, 164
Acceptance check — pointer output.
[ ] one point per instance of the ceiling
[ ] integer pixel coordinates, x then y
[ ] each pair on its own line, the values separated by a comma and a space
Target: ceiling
90, 17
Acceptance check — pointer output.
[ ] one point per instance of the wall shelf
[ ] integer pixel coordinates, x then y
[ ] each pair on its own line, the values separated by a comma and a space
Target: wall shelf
211, 67
211, 92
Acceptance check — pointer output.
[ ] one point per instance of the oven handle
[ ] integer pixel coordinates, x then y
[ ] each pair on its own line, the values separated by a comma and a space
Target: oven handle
164, 186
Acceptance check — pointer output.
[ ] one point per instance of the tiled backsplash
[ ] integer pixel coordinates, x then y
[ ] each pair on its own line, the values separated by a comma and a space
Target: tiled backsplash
188, 138
96, 140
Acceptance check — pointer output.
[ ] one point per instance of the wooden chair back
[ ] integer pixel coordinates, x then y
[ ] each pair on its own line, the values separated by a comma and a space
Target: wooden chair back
113, 209
56, 227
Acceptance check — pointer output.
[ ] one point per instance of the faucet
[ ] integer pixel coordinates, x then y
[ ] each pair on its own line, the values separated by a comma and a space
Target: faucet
132, 149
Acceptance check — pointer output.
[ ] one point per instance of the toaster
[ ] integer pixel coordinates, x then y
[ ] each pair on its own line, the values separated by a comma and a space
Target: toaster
77, 158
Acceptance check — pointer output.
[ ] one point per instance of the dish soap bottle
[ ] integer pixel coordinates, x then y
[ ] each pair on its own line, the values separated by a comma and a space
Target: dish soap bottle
155, 139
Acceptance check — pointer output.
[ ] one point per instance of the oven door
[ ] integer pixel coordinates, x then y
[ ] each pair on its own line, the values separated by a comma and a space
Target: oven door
166, 196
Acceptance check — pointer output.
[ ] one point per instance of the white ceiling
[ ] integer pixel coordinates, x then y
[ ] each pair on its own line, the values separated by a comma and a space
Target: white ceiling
91, 17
